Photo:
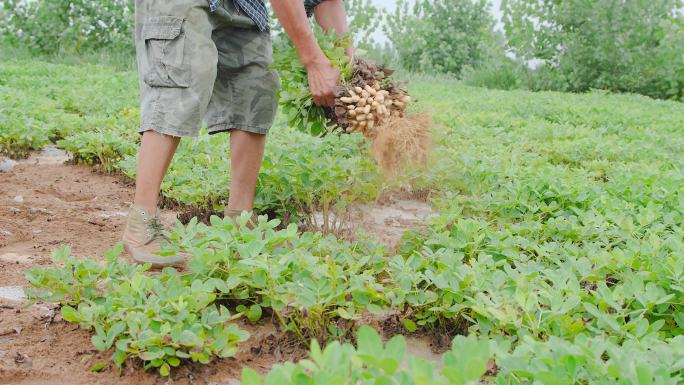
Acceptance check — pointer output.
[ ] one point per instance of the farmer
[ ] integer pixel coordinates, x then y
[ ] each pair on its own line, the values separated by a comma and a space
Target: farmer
210, 59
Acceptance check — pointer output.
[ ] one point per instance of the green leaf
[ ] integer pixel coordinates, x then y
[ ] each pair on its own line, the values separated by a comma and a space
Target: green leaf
173, 361
114, 331
165, 369
70, 314
98, 367
99, 342
254, 313
343, 313
250, 377
369, 342
410, 325
374, 309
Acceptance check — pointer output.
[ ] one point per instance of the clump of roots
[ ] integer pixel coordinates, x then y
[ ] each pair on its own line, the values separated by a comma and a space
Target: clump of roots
375, 106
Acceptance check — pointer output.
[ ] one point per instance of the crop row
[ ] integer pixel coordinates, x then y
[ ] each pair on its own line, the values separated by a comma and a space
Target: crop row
557, 240
92, 113
587, 360
531, 311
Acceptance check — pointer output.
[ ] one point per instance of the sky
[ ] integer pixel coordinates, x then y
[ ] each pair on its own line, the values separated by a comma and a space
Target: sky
389, 6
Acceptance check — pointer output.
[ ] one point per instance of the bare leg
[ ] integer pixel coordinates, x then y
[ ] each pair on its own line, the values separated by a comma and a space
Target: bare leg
246, 153
156, 151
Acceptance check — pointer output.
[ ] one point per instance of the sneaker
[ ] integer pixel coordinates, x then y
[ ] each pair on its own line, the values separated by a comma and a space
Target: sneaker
143, 239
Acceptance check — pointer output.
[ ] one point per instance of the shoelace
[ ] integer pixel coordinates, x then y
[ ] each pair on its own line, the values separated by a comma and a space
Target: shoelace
155, 227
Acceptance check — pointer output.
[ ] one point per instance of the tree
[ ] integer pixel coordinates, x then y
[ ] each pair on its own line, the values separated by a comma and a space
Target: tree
440, 35
619, 45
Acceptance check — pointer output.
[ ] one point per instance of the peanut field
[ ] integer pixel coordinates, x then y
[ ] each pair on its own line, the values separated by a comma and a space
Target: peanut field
554, 253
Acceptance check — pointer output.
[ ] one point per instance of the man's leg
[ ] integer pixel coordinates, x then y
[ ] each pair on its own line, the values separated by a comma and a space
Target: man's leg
156, 151
246, 153
142, 235
243, 101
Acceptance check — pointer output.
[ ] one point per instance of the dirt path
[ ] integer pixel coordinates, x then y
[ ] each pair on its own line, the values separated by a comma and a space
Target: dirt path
45, 203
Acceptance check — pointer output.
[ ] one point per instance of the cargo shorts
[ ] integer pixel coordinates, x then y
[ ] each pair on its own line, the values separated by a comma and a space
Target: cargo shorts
195, 64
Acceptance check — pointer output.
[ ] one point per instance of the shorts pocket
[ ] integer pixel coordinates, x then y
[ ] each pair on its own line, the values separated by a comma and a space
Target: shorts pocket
166, 64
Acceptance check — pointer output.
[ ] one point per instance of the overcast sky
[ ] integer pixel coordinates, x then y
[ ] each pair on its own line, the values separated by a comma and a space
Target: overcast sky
389, 6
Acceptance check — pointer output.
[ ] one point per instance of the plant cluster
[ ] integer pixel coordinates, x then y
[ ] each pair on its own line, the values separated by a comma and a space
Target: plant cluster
89, 113
373, 362
308, 281
474, 360
159, 319
296, 101
366, 97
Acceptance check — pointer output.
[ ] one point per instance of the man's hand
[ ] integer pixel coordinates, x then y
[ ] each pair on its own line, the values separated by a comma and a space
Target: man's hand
322, 76
322, 81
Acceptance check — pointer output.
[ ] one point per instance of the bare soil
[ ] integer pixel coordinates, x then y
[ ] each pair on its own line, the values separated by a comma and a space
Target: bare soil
45, 203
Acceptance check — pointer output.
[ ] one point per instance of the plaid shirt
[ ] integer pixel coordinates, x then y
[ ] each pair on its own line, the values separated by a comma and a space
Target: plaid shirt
256, 10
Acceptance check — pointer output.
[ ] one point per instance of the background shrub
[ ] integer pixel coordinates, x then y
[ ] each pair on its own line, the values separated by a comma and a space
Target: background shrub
68, 25
624, 46
440, 35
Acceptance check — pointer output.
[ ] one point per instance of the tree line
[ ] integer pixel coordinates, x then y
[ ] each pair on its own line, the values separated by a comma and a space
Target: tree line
571, 45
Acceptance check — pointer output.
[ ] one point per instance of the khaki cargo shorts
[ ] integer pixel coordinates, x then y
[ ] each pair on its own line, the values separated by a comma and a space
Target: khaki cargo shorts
195, 64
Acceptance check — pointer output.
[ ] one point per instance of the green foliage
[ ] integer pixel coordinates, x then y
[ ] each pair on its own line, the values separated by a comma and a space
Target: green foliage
68, 25
301, 173
552, 203
632, 46
364, 19
105, 148
295, 96
307, 280
587, 361
373, 362
555, 242
439, 35
92, 112
502, 74
159, 319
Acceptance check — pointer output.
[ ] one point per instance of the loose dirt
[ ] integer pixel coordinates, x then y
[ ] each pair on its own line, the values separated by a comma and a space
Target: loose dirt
45, 203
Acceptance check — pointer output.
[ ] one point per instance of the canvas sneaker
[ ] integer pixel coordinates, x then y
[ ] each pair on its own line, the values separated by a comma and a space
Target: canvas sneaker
143, 238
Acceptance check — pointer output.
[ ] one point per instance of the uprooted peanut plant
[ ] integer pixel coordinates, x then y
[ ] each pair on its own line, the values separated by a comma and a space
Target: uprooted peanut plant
367, 101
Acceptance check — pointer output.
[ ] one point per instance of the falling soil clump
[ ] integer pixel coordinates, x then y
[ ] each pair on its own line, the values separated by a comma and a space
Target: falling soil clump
402, 142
